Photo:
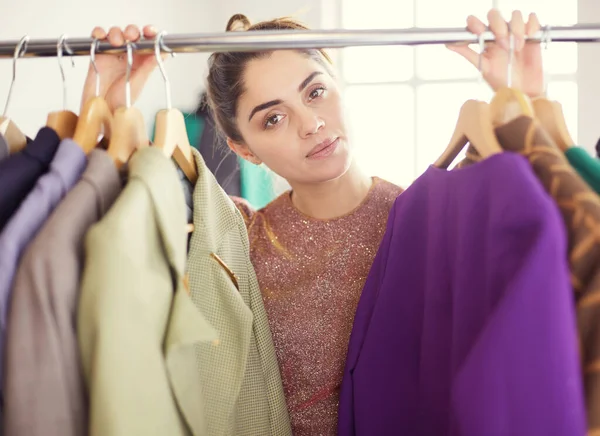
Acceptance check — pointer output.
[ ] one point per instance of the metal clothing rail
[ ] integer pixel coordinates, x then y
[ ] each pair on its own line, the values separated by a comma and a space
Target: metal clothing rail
272, 40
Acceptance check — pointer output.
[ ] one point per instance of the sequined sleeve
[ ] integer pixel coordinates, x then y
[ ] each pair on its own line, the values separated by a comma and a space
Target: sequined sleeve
244, 207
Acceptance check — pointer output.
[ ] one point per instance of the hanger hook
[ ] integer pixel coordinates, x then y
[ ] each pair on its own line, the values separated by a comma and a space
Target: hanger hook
511, 54
93, 49
546, 40
481, 53
128, 74
61, 46
20, 51
159, 45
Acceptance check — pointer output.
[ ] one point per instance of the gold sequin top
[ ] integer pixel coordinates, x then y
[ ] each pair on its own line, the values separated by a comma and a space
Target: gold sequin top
311, 273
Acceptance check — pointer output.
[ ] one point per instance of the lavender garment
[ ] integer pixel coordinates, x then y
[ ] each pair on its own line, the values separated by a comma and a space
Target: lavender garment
466, 324
65, 169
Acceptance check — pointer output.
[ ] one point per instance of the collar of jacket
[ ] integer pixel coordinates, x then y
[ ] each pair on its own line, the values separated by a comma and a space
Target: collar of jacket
187, 326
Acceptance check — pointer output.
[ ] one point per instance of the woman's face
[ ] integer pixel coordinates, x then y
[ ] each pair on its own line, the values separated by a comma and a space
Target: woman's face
290, 117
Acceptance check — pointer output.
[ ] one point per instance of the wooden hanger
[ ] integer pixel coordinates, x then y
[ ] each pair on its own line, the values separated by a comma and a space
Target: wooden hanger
128, 130
62, 122
171, 136
127, 135
477, 121
15, 139
170, 133
508, 104
12, 134
95, 119
474, 126
550, 115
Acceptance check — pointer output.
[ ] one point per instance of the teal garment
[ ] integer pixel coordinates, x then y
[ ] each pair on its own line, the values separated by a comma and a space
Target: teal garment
587, 166
194, 126
256, 184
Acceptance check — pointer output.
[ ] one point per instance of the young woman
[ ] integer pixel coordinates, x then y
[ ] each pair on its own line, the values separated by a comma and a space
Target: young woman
312, 247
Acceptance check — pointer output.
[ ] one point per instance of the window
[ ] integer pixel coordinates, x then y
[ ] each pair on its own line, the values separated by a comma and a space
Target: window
403, 102
381, 122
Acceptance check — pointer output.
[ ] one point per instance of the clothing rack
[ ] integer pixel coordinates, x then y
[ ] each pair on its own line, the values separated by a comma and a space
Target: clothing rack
271, 40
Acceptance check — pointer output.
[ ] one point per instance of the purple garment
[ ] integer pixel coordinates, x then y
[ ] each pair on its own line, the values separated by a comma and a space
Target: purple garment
65, 169
466, 324
20, 171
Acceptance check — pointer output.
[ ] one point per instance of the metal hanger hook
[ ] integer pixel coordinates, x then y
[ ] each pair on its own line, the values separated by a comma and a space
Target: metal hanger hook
511, 54
20, 51
546, 40
546, 37
130, 46
61, 46
93, 49
159, 46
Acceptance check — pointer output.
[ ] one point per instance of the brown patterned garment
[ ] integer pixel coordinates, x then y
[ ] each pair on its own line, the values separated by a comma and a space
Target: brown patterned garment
580, 209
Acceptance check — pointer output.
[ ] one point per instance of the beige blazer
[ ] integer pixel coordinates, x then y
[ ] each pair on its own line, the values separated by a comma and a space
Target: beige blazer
137, 326
240, 376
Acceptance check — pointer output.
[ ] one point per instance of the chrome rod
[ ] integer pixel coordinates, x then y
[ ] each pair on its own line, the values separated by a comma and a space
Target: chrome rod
274, 40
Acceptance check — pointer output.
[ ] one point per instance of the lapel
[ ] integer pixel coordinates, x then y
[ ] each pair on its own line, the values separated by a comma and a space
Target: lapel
187, 326
217, 267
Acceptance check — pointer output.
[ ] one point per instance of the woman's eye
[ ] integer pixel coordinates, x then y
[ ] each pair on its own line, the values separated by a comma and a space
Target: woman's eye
272, 120
315, 93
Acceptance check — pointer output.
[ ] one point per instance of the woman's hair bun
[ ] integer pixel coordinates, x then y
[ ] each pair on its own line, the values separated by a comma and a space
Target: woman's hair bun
238, 23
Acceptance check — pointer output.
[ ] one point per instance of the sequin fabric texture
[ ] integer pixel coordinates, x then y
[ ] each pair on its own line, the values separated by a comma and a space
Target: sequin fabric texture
311, 273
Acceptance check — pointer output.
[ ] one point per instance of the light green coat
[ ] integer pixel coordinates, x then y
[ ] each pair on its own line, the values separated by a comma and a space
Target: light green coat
240, 375
137, 325
155, 362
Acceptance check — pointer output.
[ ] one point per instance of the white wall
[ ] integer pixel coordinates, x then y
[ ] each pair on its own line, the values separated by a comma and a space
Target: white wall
307, 11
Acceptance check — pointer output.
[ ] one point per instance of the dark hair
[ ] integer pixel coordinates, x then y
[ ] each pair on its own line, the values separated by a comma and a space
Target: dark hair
226, 70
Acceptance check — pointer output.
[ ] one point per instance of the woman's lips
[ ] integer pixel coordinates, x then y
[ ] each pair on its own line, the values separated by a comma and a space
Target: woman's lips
324, 149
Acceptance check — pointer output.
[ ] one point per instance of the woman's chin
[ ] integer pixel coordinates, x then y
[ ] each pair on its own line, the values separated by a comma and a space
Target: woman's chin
330, 169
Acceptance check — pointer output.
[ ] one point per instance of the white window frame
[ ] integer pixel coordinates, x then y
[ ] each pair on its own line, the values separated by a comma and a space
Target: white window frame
583, 133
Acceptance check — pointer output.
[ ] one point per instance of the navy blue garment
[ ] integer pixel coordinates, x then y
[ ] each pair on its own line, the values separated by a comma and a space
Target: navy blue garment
20, 171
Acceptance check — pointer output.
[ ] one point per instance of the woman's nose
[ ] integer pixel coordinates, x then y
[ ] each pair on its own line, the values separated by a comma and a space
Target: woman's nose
311, 124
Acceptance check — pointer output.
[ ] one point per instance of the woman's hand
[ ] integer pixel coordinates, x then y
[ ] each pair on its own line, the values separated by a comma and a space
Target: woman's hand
527, 68
112, 68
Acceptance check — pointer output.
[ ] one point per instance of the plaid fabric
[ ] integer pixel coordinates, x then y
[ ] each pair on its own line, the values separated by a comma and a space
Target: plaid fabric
239, 373
580, 209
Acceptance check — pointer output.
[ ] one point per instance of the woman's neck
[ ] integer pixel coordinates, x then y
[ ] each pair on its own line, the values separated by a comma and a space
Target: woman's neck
334, 198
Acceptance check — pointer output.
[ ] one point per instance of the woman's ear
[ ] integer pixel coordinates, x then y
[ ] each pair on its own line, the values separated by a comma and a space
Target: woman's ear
243, 151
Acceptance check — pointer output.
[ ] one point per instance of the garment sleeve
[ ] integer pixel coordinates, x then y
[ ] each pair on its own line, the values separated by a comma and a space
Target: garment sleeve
587, 166
525, 362
41, 379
